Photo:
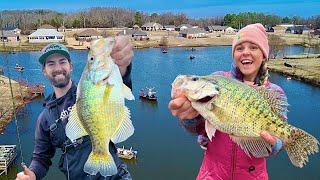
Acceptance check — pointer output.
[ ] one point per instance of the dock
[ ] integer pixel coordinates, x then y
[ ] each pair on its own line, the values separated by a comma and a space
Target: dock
8, 155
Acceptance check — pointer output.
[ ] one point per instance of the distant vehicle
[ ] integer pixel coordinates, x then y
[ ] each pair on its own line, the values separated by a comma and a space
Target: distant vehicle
19, 68
150, 95
127, 153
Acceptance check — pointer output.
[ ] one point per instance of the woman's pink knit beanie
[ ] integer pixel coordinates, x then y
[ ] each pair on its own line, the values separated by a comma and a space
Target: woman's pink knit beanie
254, 33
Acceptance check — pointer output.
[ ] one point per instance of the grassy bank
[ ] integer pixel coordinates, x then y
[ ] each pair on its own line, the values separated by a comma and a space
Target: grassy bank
307, 69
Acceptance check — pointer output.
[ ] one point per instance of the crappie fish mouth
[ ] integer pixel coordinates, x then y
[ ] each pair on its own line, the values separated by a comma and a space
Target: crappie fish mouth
206, 99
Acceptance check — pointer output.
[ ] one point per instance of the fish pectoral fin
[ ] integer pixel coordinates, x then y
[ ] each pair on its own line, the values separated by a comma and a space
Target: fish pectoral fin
74, 128
127, 92
210, 129
254, 145
125, 129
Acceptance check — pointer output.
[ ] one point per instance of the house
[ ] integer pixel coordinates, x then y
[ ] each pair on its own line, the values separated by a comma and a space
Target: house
46, 26
279, 29
45, 36
169, 27
9, 36
87, 35
191, 33
183, 27
135, 27
299, 29
216, 29
62, 29
230, 30
151, 26
269, 29
136, 35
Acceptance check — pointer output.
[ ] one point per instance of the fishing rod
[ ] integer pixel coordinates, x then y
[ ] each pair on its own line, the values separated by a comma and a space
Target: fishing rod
12, 95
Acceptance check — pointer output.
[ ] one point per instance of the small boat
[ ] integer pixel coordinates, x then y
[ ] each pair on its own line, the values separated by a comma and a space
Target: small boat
288, 78
151, 95
191, 57
127, 153
19, 68
164, 51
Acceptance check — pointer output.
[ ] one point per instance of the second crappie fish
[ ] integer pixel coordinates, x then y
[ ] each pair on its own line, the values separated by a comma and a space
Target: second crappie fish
100, 110
243, 112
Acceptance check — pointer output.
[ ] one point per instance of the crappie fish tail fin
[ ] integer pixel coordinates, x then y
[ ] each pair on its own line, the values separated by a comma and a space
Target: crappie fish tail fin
127, 92
100, 163
300, 145
74, 128
125, 129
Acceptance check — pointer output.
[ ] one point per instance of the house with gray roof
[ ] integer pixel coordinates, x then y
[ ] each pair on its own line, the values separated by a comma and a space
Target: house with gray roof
87, 35
9, 36
151, 26
192, 33
136, 35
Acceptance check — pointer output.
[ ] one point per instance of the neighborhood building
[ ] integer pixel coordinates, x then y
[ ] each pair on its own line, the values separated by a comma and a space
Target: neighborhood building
279, 29
169, 27
46, 36
136, 35
135, 27
192, 33
62, 29
9, 36
151, 26
183, 27
87, 35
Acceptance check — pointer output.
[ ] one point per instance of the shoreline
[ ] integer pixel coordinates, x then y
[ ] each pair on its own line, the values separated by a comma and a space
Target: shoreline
305, 69
22, 95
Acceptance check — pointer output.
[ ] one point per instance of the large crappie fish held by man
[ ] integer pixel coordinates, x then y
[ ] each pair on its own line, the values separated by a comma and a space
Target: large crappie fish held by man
100, 111
243, 112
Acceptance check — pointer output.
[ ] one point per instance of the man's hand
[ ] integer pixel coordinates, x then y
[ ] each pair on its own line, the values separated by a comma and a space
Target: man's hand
27, 174
122, 53
181, 108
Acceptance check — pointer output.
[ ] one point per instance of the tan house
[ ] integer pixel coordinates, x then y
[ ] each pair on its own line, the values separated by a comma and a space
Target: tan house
9, 36
62, 29
230, 30
87, 35
136, 35
151, 26
279, 29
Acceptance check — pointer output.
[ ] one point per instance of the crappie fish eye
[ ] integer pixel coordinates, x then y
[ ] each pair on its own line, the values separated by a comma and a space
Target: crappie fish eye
195, 79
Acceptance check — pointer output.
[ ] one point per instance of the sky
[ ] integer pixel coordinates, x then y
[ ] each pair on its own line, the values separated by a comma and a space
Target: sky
193, 8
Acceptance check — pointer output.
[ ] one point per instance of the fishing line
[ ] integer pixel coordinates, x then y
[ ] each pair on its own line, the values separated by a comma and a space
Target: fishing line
13, 103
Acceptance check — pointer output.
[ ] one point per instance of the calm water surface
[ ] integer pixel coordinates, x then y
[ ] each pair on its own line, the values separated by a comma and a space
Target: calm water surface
165, 150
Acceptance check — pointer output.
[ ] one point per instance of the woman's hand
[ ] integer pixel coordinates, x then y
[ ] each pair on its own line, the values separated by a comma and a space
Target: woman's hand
275, 142
181, 107
122, 53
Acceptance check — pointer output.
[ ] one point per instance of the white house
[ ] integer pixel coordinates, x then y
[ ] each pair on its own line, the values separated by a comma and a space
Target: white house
45, 36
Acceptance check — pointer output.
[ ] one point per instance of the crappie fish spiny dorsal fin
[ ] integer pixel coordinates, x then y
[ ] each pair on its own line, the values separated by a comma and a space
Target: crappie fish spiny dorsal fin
254, 145
210, 130
74, 128
125, 128
276, 101
127, 92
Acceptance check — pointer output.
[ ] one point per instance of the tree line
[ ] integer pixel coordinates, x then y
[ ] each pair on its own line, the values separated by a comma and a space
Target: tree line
108, 17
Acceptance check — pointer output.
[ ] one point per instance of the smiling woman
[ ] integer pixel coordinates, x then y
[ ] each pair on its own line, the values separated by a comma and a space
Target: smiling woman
223, 158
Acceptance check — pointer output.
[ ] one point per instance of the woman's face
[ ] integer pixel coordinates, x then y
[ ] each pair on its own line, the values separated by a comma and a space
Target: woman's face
248, 58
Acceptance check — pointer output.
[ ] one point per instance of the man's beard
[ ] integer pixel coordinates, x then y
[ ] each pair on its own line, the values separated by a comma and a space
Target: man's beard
59, 84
